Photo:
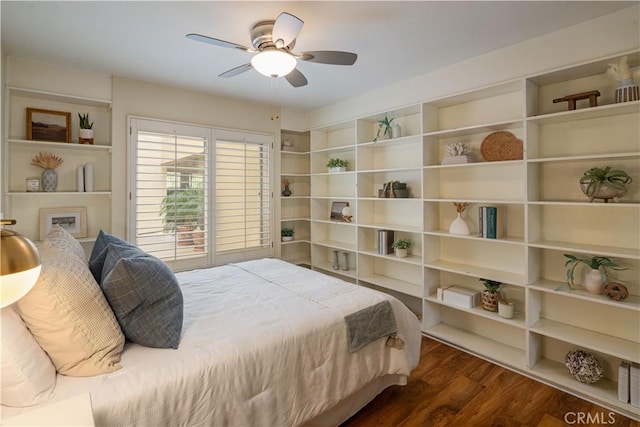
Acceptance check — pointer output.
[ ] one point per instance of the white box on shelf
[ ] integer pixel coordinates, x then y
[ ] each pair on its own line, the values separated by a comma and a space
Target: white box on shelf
634, 385
462, 297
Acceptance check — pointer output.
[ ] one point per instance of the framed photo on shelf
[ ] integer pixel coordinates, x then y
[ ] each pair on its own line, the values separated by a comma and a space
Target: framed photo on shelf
336, 211
48, 125
74, 220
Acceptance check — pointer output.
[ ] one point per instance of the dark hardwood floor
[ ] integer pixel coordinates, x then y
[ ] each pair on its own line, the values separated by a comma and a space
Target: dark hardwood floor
453, 388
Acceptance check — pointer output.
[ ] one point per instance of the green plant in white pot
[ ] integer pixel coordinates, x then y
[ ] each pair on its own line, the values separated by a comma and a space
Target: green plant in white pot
384, 128
595, 276
337, 165
605, 183
401, 248
85, 133
286, 234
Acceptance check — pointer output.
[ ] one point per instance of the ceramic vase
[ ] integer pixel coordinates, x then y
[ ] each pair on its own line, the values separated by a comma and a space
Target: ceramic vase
335, 262
345, 261
49, 180
505, 309
459, 226
593, 281
396, 131
286, 192
88, 177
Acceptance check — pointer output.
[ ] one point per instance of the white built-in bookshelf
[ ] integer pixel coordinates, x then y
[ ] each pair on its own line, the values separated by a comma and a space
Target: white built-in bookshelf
542, 213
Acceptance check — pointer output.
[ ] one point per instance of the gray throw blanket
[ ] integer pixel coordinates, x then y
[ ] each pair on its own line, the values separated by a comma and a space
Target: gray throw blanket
369, 324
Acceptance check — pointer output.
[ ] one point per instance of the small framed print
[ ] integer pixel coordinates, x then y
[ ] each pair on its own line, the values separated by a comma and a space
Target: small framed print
336, 211
74, 220
48, 125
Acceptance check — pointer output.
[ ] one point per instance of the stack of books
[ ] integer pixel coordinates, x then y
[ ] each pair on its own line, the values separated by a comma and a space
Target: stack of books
629, 383
488, 222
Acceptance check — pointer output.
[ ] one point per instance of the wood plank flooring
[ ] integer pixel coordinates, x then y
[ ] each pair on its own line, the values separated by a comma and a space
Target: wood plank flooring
453, 388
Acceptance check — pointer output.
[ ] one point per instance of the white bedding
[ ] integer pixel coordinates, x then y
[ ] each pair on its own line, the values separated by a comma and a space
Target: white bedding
263, 344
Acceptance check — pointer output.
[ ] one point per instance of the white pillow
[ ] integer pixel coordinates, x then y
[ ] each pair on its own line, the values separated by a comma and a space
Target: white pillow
68, 315
28, 376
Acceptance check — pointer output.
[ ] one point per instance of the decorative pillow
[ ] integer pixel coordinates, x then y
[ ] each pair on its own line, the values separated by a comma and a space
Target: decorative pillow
69, 316
99, 253
144, 295
28, 376
63, 240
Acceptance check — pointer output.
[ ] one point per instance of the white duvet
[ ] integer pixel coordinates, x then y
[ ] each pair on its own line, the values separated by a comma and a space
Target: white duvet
263, 344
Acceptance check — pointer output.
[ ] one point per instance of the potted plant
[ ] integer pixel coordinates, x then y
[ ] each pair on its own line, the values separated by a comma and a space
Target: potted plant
286, 234
401, 247
605, 183
85, 134
491, 295
596, 276
182, 211
337, 165
384, 127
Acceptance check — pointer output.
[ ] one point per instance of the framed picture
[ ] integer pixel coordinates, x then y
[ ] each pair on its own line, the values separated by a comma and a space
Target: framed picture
336, 210
74, 220
48, 125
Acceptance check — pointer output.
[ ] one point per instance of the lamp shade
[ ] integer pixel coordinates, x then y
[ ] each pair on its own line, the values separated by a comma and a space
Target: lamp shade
19, 268
273, 63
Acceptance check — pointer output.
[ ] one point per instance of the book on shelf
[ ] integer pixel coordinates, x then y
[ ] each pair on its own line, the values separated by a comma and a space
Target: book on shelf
634, 384
456, 160
488, 222
624, 381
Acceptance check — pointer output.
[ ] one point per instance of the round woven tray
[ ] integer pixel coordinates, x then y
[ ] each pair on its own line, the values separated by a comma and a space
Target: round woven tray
501, 145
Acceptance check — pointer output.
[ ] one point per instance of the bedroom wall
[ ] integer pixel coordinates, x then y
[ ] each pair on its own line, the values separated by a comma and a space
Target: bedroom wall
139, 98
601, 37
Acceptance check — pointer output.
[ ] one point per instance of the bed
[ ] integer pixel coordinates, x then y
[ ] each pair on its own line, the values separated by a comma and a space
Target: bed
262, 343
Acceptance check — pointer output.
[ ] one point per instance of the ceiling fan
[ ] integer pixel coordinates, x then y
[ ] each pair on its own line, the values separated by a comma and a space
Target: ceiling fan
272, 43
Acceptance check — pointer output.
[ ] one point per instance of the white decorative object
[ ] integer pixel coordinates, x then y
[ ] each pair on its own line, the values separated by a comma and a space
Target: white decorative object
459, 226
628, 90
461, 297
396, 131
457, 153
593, 281
505, 309
88, 177
80, 179
337, 169
335, 261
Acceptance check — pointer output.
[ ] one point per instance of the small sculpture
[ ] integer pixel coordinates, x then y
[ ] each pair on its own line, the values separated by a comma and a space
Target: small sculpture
627, 90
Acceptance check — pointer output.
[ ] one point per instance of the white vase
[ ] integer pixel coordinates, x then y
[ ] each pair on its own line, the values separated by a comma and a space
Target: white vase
593, 281
396, 131
88, 177
80, 179
337, 169
505, 309
459, 226
287, 238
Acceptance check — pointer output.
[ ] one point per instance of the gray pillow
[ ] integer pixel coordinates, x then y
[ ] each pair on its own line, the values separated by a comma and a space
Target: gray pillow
144, 295
99, 252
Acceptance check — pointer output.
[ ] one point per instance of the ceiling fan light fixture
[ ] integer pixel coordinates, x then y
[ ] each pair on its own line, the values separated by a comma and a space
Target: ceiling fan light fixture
273, 63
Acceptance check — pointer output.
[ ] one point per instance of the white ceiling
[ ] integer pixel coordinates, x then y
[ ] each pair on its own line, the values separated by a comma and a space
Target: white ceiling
394, 40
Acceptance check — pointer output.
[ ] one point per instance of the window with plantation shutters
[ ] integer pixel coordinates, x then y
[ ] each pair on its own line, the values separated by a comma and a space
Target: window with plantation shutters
243, 195
199, 196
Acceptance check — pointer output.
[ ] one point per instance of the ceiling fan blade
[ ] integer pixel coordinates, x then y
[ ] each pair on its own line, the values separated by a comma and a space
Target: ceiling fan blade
216, 42
334, 57
286, 29
296, 78
237, 70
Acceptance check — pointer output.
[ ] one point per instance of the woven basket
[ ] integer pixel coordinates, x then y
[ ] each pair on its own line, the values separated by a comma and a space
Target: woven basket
501, 145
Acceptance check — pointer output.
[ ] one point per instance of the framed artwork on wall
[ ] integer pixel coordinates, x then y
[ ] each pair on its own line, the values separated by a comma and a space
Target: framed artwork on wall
48, 125
74, 220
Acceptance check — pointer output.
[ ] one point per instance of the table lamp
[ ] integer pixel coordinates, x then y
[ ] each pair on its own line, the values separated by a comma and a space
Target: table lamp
20, 265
